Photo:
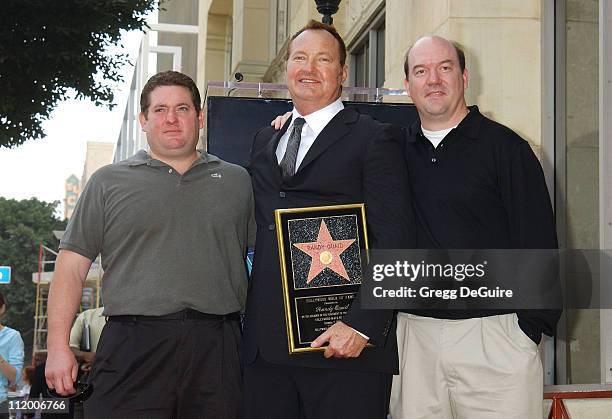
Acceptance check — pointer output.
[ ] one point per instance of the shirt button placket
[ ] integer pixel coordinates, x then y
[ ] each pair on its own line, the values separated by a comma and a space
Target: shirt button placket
432, 155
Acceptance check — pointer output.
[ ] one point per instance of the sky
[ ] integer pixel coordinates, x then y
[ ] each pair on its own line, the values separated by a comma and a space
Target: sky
38, 168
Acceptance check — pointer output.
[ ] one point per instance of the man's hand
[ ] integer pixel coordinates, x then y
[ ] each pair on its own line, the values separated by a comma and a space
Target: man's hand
64, 298
280, 120
344, 342
61, 371
88, 358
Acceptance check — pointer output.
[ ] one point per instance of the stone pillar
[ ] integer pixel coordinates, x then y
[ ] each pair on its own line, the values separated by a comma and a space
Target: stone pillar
251, 34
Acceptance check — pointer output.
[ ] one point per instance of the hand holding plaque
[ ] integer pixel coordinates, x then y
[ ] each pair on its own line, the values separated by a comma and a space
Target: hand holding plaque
344, 341
320, 251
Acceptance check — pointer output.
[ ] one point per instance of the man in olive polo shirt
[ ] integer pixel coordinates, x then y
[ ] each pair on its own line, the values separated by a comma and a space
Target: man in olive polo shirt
172, 226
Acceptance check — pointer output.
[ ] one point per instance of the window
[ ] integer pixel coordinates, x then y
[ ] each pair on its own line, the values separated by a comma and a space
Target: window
367, 56
582, 199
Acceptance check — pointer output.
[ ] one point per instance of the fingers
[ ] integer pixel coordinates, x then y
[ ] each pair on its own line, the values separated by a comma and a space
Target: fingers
277, 123
68, 385
329, 352
62, 385
61, 372
75, 371
344, 342
55, 385
280, 120
321, 340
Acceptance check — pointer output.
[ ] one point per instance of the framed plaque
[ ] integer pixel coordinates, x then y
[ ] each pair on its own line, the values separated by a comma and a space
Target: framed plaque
321, 250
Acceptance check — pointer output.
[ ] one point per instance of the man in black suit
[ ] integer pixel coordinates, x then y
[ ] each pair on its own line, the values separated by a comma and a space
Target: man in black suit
324, 155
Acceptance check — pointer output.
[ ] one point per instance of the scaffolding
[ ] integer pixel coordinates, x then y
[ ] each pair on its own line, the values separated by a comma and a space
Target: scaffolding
90, 297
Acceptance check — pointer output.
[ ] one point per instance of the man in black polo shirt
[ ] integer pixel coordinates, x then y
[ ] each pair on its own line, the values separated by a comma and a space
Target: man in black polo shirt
476, 185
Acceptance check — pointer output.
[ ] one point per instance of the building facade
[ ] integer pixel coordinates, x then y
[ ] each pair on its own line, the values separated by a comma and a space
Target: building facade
97, 155
73, 189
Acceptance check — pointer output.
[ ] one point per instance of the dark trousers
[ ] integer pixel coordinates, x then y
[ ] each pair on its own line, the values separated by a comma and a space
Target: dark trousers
166, 368
274, 391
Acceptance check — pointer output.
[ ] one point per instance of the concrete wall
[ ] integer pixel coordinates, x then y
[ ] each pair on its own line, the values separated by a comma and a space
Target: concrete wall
250, 39
214, 41
184, 12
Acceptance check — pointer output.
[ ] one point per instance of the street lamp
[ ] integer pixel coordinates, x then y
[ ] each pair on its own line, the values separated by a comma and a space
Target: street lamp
327, 8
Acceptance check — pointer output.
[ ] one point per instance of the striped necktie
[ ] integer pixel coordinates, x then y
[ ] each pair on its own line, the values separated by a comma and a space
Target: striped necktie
288, 161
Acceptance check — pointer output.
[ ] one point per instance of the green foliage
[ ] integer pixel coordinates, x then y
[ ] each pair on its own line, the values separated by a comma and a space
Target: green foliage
50, 46
23, 226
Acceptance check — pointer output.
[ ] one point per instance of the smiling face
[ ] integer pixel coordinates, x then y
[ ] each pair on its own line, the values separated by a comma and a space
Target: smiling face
436, 83
172, 123
314, 72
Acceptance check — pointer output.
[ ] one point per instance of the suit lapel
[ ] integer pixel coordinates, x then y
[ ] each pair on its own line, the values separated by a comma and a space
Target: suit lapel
273, 144
338, 127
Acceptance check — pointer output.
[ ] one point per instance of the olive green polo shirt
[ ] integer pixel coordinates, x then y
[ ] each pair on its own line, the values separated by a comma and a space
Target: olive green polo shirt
167, 241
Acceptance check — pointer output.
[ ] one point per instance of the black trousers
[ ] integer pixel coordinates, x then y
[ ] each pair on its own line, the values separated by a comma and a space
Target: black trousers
166, 368
274, 391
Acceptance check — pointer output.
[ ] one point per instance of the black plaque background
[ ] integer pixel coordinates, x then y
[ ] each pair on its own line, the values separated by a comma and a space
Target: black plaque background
294, 332
310, 328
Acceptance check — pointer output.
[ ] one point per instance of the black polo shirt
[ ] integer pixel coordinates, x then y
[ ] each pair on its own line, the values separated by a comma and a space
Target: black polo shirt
481, 188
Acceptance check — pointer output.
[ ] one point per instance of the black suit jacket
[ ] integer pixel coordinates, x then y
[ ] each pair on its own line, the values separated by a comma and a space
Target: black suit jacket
354, 159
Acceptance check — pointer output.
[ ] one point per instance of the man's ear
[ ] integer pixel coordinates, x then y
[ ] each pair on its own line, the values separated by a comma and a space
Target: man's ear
407, 86
465, 78
142, 119
201, 119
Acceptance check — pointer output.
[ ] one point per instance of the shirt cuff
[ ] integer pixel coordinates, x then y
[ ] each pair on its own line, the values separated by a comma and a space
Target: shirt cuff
360, 334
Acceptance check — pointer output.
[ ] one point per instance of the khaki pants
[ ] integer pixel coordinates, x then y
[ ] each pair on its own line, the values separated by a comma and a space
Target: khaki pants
484, 367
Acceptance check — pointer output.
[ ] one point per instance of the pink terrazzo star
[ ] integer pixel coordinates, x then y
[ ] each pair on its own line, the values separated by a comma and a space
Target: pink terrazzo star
325, 253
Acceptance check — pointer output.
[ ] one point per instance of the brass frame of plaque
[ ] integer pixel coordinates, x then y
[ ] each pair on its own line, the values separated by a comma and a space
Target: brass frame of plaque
320, 251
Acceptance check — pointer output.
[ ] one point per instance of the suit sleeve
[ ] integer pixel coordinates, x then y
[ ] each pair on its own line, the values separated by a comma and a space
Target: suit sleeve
389, 215
532, 224
251, 226
253, 148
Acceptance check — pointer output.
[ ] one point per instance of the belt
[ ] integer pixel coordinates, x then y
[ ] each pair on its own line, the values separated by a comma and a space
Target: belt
181, 315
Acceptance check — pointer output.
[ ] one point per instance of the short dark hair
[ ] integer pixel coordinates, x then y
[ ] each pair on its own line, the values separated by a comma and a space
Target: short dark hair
458, 50
169, 78
2, 300
313, 25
